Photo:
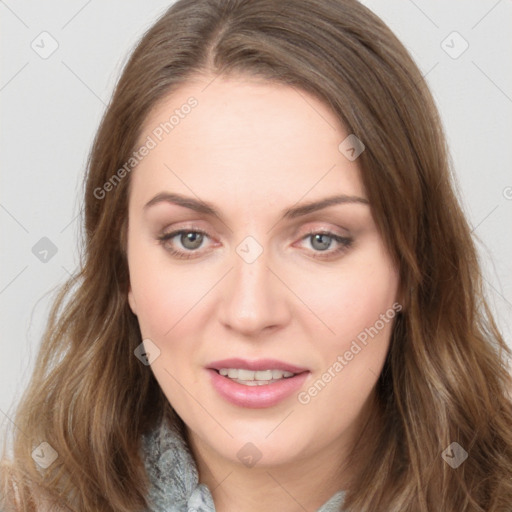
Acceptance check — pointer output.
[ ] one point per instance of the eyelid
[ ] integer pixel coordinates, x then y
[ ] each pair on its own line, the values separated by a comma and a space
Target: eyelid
344, 242
169, 235
315, 227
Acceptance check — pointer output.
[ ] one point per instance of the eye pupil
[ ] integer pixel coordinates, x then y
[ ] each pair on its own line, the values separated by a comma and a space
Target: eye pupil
323, 245
193, 237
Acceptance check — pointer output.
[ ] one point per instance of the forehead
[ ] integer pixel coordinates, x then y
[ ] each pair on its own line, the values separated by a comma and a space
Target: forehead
244, 141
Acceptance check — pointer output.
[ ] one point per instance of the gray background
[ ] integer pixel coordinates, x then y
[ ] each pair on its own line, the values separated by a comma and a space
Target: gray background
51, 108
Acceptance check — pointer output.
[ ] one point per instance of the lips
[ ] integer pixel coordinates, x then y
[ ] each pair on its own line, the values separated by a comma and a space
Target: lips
256, 365
271, 393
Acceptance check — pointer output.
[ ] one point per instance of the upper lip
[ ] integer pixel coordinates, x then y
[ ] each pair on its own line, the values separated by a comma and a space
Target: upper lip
255, 365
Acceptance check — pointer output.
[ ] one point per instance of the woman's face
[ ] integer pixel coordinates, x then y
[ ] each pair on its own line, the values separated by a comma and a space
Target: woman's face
254, 290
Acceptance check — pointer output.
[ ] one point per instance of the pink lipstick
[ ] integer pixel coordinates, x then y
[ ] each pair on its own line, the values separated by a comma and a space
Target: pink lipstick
256, 384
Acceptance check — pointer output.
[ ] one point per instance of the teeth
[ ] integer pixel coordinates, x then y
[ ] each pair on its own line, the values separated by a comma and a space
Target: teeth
254, 378
263, 375
276, 374
244, 374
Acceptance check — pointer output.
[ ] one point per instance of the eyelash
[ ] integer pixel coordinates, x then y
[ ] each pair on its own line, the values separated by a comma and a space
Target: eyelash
345, 243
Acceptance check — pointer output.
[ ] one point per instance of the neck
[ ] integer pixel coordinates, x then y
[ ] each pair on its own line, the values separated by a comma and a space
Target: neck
298, 485
302, 485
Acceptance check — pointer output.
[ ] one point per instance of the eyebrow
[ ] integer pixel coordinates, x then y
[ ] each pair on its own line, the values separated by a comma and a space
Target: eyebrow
290, 213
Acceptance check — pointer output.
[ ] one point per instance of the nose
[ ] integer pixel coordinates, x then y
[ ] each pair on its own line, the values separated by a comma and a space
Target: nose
254, 299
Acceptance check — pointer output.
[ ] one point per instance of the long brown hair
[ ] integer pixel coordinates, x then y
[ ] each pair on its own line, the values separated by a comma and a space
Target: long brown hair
445, 378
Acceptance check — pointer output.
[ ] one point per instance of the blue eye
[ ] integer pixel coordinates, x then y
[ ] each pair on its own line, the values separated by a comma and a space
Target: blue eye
322, 241
192, 240
189, 239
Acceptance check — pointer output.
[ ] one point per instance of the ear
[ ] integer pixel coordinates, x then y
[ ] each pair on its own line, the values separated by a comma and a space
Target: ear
131, 301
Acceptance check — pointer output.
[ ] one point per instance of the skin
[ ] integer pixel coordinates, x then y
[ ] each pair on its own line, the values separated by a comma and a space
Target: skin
253, 148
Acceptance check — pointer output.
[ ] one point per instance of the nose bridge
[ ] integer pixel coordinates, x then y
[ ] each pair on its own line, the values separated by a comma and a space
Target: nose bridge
254, 299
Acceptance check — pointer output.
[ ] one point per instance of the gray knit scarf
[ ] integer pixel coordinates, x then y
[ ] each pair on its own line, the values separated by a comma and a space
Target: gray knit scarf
174, 478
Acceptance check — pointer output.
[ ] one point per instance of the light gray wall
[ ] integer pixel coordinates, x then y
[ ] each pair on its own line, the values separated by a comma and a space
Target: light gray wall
51, 108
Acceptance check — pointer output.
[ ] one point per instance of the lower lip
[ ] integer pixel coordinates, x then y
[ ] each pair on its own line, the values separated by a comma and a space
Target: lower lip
256, 397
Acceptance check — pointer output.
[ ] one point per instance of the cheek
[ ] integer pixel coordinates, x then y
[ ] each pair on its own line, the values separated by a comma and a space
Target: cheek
163, 304
360, 306
168, 302
164, 295
351, 298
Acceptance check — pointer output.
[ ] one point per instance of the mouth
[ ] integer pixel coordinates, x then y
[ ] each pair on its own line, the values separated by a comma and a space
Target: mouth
256, 384
255, 378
